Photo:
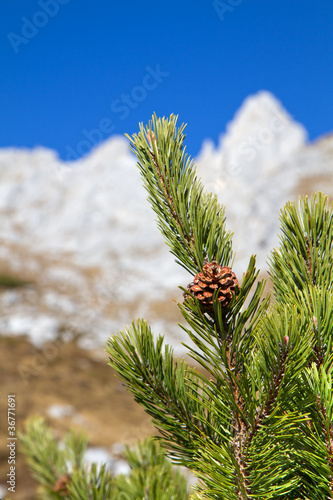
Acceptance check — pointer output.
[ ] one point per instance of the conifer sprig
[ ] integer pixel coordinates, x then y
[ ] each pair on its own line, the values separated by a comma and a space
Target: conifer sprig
63, 473
304, 256
191, 220
169, 390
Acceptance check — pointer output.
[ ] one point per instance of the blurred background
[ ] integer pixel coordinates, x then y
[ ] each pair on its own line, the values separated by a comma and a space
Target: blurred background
80, 255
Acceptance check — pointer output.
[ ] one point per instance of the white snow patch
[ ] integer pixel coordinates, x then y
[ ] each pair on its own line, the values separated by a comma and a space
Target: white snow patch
98, 456
40, 329
60, 411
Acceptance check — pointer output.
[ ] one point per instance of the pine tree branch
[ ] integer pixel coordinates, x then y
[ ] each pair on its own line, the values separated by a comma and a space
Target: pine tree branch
320, 383
191, 220
177, 218
328, 435
312, 278
168, 390
273, 392
243, 484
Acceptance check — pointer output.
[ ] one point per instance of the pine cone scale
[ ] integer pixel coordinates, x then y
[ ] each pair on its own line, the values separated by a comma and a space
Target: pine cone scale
202, 284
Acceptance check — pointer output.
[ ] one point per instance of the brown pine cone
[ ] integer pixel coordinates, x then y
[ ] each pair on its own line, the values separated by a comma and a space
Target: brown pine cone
213, 277
61, 485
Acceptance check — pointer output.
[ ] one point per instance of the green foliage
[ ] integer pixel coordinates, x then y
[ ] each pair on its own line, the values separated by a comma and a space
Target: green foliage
305, 253
11, 281
170, 400
152, 476
94, 484
190, 219
44, 456
259, 424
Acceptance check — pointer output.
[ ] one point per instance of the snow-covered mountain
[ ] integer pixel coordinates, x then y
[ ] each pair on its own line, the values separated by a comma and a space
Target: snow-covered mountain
262, 161
84, 234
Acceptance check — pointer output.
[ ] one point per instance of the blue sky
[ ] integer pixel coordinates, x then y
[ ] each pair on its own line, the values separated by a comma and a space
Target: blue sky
74, 72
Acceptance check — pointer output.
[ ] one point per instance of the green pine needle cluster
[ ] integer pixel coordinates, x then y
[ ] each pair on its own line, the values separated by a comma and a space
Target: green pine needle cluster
259, 425
62, 473
191, 220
